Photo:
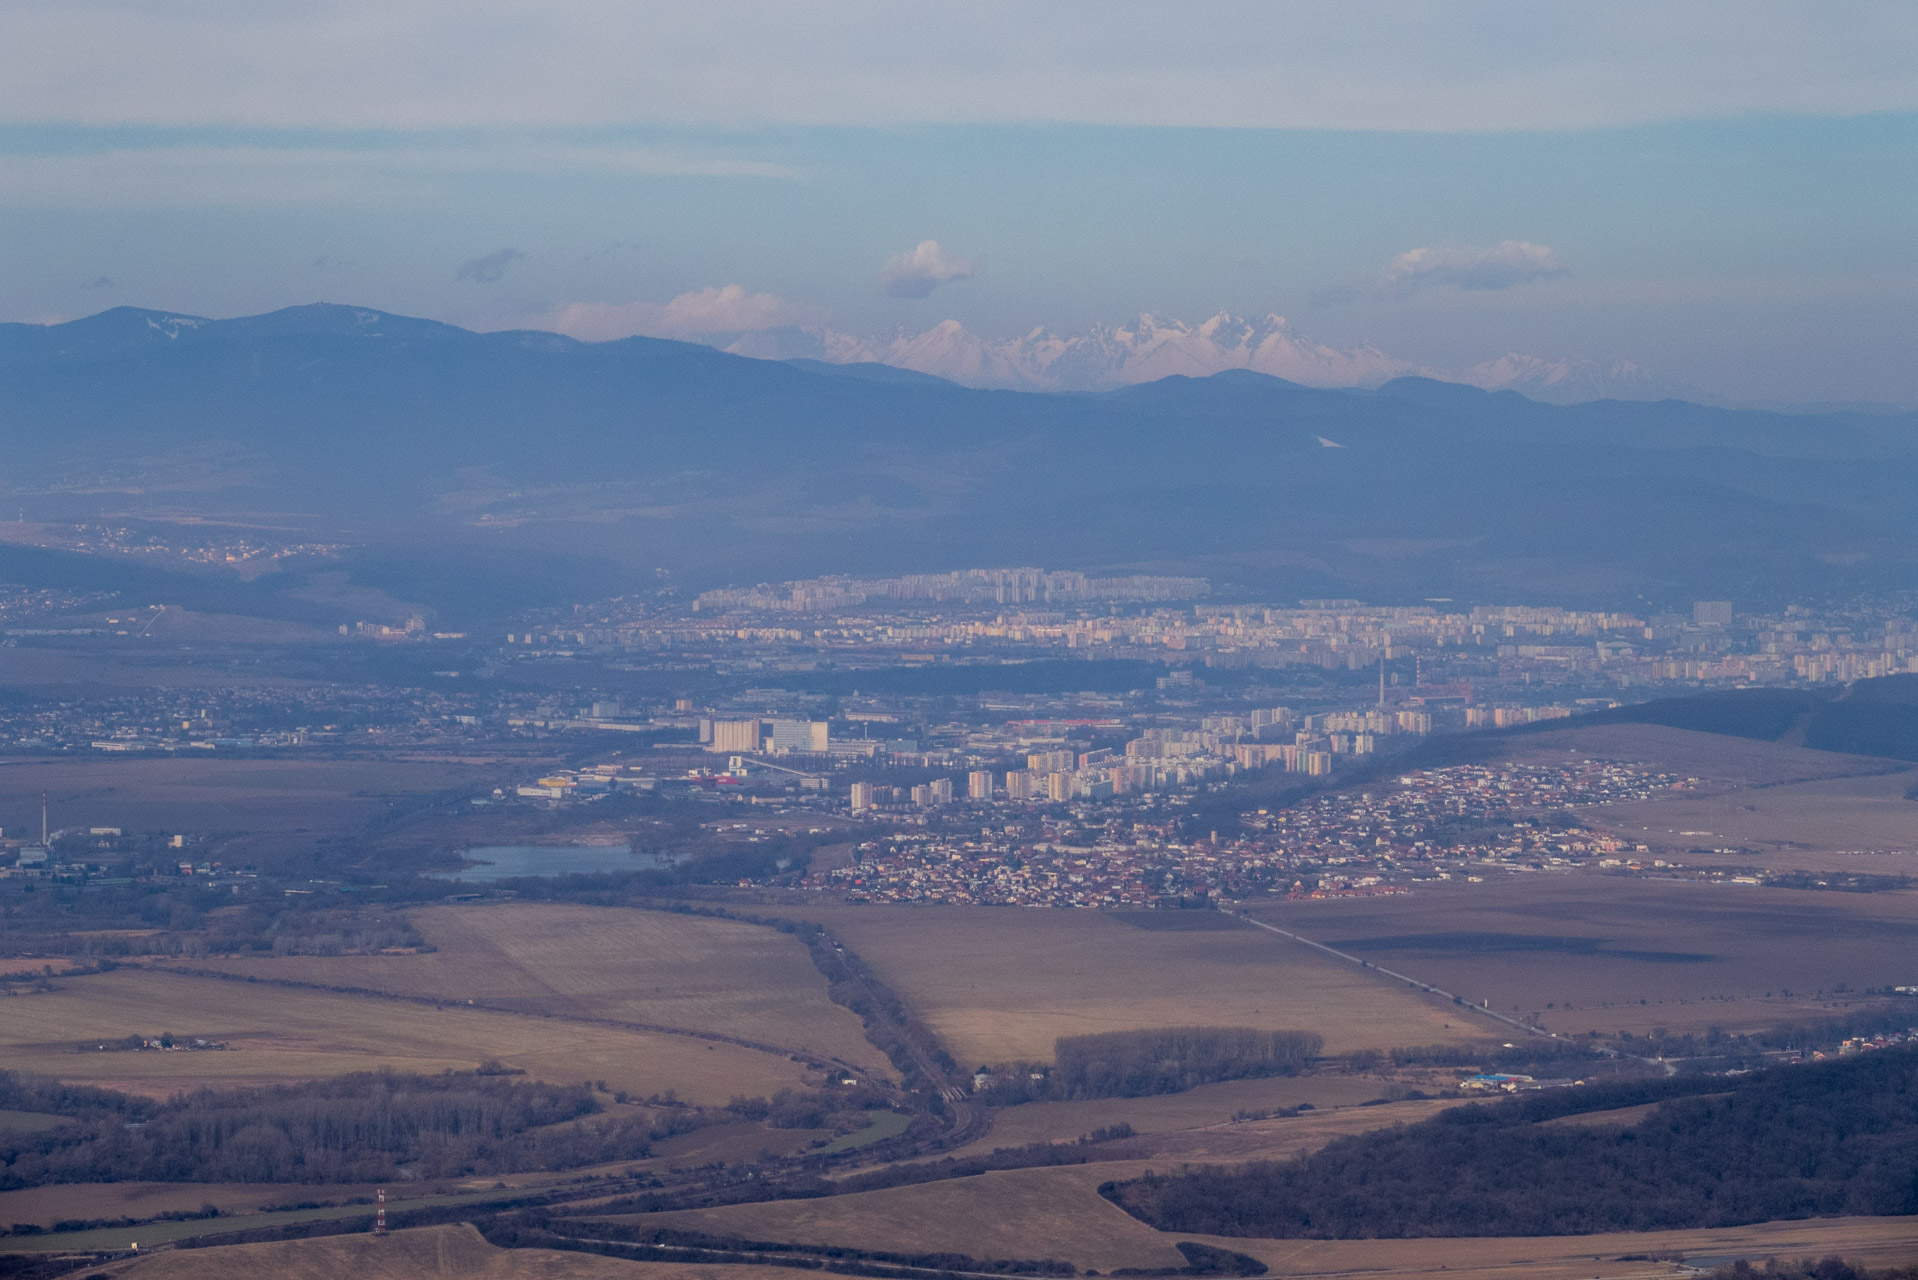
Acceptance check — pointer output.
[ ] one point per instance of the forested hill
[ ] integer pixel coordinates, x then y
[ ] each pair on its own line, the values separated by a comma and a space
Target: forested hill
1790, 1142
666, 454
1866, 717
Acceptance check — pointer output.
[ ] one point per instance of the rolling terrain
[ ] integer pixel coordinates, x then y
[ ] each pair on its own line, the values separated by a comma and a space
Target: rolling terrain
507, 446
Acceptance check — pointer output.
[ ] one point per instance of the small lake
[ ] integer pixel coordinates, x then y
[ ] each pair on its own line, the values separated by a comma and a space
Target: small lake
511, 861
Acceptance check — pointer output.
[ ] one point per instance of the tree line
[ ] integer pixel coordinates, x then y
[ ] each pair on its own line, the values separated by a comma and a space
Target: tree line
1790, 1142
1134, 1064
369, 1127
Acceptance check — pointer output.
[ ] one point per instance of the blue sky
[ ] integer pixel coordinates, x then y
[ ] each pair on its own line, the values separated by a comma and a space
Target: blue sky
1721, 193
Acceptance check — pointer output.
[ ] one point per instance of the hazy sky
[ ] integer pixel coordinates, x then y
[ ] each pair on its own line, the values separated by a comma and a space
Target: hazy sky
1722, 192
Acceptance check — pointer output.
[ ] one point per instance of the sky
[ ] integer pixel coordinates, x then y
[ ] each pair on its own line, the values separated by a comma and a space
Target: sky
1722, 193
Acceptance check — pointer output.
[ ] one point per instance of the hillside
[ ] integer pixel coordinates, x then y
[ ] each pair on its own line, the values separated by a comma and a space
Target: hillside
662, 454
1790, 1142
1865, 717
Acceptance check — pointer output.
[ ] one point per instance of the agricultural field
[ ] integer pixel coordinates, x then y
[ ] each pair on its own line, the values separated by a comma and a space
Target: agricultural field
1209, 1104
1018, 1213
270, 804
1878, 1242
427, 1253
47, 1205
1719, 760
276, 1034
1058, 1213
1608, 953
652, 967
1001, 984
1865, 824
1035, 1213
1790, 807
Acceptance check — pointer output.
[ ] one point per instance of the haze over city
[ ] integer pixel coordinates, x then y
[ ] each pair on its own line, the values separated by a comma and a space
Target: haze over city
737, 641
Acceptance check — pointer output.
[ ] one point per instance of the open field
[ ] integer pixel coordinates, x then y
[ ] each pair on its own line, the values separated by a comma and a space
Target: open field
1001, 984
1876, 1242
1209, 1104
92, 1200
1037, 1213
1717, 760
267, 800
29, 1121
1020, 1213
1796, 808
128, 664
279, 1034
635, 966
1034, 1213
428, 1253
441, 1253
1859, 824
1608, 953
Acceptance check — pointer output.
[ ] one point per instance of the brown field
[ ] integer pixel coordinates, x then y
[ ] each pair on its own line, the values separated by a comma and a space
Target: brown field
1038, 1213
278, 1034
1715, 759
1609, 953
1210, 1104
123, 665
1034, 1213
47, 1205
1860, 824
635, 966
1794, 808
442, 1253
428, 1253
1002, 984
270, 800
1020, 1213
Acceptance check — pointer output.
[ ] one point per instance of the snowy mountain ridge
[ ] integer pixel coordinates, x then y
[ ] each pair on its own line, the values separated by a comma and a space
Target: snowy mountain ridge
1153, 347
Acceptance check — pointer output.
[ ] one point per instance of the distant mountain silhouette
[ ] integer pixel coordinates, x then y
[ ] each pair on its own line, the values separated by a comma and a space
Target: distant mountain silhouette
431, 441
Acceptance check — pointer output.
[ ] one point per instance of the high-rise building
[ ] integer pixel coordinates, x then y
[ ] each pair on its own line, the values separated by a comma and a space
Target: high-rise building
797, 735
734, 735
922, 795
979, 784
1059, 786
941, 789
1018, 784
1712, 613
861, 796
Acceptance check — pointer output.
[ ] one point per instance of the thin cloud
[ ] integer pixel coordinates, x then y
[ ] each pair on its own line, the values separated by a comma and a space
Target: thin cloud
701, 313
101, 282
1503, 266
1405, 64
209, 176
917, 272
487, 269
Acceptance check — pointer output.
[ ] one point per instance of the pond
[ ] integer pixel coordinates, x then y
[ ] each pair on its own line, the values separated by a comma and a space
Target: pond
511, 861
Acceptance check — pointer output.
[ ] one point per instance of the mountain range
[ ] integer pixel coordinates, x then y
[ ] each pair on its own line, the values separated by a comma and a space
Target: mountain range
1152, 347
473, 472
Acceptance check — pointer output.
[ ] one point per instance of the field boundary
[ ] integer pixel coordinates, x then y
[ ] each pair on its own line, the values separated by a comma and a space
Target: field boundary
441, 1002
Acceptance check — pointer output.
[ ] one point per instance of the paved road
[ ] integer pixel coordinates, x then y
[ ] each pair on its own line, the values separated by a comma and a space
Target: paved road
1484, 1011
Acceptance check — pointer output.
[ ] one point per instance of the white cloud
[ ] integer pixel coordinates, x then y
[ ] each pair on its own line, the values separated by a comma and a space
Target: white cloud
768, 327
1388, 64
1503, 266
917, 272
702, 313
